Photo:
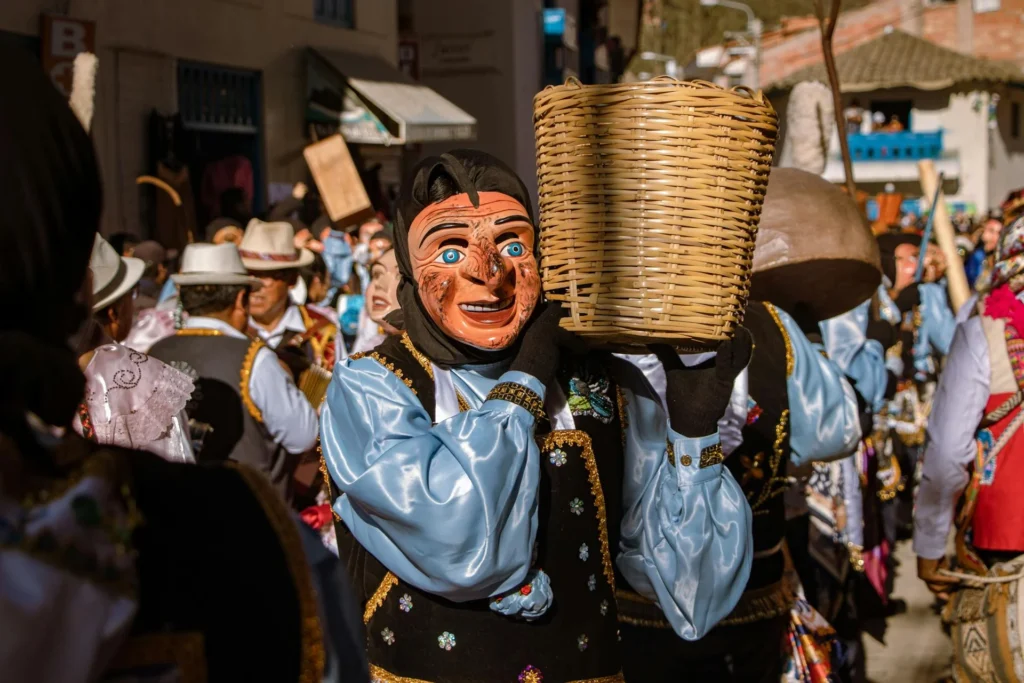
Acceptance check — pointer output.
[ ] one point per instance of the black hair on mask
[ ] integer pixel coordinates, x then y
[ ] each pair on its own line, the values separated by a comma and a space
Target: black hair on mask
433, 180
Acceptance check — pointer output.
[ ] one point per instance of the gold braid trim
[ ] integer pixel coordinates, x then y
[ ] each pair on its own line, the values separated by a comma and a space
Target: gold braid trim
429, 369
184, 650
582, 440
327, 481
773, 464
312, 645
760, 604
620, 398
631, 596
197, 332
420, 358
379, 596
379, 675
644, 623
250, 358
388, 365
785, 338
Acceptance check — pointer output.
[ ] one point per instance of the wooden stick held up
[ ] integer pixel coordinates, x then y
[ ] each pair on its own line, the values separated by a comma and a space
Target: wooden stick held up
828, 28
959, 290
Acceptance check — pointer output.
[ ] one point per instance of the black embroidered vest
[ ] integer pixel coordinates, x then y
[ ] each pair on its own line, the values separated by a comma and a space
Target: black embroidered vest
225, 423
416, 636
759, 465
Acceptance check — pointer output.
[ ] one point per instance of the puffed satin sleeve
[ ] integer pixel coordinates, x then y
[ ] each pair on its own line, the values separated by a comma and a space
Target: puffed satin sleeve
450, 508
824, 423
685, 539
859, 358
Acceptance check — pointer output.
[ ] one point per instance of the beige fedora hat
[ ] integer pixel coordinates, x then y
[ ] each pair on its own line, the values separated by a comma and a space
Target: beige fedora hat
213, 264
271, 246
113, 275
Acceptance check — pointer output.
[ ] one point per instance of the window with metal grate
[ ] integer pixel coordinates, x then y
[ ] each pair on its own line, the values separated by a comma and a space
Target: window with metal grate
218, 99
336, 12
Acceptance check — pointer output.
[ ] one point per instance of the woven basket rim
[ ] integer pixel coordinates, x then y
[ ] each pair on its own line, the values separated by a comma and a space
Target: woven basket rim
658, 84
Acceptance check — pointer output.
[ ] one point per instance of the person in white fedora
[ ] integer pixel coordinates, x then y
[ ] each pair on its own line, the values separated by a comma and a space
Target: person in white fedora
114, 278
269, 253
246, 407
131, 400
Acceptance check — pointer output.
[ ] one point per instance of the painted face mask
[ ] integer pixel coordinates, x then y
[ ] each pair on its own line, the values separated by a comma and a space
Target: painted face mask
475, 269
338, 257
382, 294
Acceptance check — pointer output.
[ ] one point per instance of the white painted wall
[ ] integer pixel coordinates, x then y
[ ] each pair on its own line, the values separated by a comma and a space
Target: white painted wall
966, 133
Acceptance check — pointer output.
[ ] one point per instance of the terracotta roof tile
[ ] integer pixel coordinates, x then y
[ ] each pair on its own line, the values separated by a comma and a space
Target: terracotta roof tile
897, 59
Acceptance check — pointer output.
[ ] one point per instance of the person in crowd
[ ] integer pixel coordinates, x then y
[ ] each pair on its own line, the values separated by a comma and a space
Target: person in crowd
114, 279
854, 117
972, 465
381, 301
101, 543
131, 400
124, 243
234, 214
489, 527
268, 252
155, 275
789, 408
246, 407
979, 260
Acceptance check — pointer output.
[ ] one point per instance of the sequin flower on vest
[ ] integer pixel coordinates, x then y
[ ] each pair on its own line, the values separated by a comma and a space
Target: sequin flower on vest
589, 395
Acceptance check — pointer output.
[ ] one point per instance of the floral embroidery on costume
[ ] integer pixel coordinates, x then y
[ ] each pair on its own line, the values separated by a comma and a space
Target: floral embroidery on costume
388, 635
531, 674
576, 506
589, 395
988, 472
558, 457
604, 607
592, 583
446, 641
584, 552
582, 642
405, 603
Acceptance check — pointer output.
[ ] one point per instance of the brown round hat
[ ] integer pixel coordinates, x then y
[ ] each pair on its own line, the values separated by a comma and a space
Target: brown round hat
815, 251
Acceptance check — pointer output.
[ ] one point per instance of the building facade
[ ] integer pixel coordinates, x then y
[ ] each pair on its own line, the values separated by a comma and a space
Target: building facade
235, 71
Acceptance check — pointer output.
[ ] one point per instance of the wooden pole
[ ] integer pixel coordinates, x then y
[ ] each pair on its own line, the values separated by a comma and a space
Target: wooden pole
956, 279
828, 28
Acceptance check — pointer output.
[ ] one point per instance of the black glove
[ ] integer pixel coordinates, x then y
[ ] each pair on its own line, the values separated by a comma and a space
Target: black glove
294, 358
908, 298
539, 349
883, 332
697, 396
891, 384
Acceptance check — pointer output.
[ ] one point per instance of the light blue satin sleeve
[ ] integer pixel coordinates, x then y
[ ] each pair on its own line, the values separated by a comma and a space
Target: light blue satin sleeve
861, 359
853, 501
686, 541
450, 508
824, 423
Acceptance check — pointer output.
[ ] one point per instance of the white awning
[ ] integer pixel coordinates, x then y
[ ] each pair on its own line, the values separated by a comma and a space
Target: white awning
376, 103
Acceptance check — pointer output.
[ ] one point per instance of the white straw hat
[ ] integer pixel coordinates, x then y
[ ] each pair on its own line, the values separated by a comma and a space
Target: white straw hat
113, 275
213, 264
271, 246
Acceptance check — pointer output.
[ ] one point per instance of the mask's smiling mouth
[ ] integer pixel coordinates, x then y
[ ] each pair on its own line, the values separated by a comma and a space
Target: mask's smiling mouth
489, 312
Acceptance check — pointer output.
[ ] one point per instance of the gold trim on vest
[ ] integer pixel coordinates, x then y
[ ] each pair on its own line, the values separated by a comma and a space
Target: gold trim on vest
312, 645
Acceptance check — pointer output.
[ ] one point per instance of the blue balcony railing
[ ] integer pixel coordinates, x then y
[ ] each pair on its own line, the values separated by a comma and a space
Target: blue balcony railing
902, 146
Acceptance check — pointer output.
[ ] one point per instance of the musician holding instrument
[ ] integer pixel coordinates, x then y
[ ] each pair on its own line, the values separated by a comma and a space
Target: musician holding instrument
246, 407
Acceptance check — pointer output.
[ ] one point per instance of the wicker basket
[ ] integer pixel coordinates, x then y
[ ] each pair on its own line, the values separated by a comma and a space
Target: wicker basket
650, 195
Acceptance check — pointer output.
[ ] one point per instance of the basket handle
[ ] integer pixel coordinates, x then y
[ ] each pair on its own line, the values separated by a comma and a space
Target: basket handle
572, 80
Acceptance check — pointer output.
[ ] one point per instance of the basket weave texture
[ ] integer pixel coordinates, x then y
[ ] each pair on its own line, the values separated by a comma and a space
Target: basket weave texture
650, 195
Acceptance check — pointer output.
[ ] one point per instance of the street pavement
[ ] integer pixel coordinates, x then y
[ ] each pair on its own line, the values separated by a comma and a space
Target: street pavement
916, 649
